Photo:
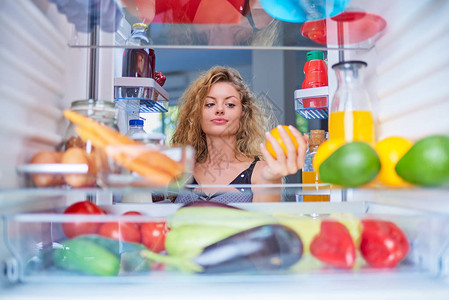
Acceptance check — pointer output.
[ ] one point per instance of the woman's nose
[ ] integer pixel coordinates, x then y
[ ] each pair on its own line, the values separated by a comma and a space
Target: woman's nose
219, 110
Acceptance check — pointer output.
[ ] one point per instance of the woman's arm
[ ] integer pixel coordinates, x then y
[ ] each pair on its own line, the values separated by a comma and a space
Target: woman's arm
271, 170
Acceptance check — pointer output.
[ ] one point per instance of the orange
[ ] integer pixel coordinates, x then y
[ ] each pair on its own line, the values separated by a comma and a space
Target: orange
324, 151
277, 136
390, 151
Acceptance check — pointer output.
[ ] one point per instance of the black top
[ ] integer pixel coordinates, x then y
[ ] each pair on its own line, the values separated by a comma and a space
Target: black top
243, 194
244, 177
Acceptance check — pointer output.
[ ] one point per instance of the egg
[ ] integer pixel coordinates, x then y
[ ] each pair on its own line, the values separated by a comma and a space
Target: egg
76, 155
43, 179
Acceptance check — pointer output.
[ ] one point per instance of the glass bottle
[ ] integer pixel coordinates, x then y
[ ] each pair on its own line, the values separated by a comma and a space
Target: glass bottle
136, 131
351, 114
309, 175
138, 62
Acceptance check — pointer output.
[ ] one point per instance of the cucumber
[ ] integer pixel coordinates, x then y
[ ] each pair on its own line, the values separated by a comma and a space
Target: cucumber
127, 252
113, 246
85, 256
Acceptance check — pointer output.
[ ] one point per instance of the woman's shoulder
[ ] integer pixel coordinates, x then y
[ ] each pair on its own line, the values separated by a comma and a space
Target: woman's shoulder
257, 172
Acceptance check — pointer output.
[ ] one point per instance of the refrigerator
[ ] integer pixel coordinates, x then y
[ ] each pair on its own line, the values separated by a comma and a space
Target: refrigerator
56, 52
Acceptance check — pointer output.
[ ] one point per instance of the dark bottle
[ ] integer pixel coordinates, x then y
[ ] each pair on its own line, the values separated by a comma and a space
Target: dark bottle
138, 62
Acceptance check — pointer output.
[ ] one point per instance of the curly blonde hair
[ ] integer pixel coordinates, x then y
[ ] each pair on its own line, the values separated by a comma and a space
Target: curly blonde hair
254, 123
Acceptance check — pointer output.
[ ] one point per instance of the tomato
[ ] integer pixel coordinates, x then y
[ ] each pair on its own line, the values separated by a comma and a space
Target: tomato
134, 213
334, 245
74, 229
153, 235
383, 243
121, 231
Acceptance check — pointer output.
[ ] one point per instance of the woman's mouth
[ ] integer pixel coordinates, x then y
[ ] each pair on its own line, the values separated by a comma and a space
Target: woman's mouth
219, 121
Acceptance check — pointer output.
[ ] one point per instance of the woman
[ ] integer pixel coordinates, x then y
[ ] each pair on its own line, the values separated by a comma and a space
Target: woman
222, 120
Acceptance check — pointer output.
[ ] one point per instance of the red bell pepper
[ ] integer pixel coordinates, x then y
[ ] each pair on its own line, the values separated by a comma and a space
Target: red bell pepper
334, 245
383, 243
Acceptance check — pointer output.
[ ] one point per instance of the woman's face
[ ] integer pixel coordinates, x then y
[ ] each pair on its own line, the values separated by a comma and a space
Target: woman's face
222, 110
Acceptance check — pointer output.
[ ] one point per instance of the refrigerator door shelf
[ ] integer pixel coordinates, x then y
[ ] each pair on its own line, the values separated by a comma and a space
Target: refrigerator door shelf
312, 103
140, 95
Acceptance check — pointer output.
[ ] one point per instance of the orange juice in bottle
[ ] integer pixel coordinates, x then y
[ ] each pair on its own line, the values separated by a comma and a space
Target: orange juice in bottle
351, 115
309, 176
352, 125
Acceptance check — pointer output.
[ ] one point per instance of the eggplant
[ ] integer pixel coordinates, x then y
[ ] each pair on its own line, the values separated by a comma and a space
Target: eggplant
264, 248
202, 203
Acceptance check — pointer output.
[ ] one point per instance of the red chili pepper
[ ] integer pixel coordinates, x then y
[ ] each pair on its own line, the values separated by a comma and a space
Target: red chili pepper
383, 243
334, 245
159, 77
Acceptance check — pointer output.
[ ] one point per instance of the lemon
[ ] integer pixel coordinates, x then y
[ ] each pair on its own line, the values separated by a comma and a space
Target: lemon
275, 133
390, 151
324, 151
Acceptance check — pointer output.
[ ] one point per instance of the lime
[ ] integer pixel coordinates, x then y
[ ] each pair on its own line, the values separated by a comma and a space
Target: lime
324, 151
351, 165
427, 162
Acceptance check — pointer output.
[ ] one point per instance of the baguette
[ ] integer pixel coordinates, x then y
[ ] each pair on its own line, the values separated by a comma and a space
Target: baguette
147, 156
151, 164
136, 155
111, 136
86, 135
154, 175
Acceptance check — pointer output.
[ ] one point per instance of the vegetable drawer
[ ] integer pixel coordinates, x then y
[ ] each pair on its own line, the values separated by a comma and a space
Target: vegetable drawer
272, 242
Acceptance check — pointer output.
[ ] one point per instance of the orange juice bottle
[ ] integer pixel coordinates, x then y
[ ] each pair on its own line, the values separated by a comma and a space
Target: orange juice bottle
309, 176
351, 115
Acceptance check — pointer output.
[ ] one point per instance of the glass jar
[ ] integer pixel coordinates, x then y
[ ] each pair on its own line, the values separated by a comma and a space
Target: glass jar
102, 111
351, 114
77, 151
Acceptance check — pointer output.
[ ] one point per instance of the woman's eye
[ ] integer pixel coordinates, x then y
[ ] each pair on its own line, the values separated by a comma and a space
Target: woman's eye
209, 104
231, 105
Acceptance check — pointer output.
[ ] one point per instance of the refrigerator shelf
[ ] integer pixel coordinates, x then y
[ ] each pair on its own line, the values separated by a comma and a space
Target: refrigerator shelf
140, 95
312, 103
52, 169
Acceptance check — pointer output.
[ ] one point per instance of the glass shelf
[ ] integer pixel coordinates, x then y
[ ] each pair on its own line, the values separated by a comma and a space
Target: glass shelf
140, 95
221, 25
312, 103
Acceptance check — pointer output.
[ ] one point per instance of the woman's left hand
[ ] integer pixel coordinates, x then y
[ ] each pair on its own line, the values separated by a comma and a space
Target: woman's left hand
286, 163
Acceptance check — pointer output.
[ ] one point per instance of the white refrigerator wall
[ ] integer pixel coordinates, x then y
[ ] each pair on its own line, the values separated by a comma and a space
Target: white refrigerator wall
40, 75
